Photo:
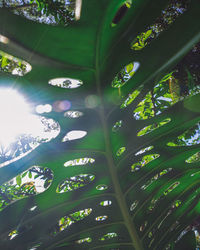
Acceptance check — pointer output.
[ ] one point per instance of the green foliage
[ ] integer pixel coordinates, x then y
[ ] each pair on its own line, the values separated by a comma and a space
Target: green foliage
13, 65
131, 97
188, 138
120, 151
194, 158
167, 17
156, 177
24, 185
75, 183
66, 221
125, 74
145, 160
150, 128
108, 236
88, 239
140, 41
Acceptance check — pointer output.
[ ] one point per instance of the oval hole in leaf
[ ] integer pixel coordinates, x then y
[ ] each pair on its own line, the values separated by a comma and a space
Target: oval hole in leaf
131, 97
101, 187
168, 16
88, 239
23, 186
108, 236
168, 91
66, 83
105, 203
125, 74
43, 130
117, 126
56, 13
101, 218
33, 208
194, 158
18, 232
73, 114
80, 161
120, 151
13, 234
145, 160
155, 201
13, 65
172, 208
156, 177
74, 135
156, 100
75, 182
144, 150
143, 226
171, 187
121, 12
152, 127
188, 138
133, 205
70, 219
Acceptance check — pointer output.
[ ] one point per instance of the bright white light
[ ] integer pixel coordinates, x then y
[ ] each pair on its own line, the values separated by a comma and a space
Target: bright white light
74, 134
67, 83
78, 9
47, 108
40, 109
17, 120
13, 112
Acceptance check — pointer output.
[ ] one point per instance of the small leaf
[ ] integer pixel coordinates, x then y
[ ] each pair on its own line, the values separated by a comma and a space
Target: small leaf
4, 62
18, 180
147, 34
30, 174
36, 176
24, 174
129, 67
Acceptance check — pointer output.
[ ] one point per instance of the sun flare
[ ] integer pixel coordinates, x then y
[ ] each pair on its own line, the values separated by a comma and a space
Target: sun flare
17, 119
14, 111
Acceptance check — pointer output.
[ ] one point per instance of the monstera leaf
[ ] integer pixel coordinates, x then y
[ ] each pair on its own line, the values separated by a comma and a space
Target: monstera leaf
120, 168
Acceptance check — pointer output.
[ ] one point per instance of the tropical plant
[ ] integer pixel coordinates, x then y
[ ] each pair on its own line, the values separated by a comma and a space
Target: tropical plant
123, 173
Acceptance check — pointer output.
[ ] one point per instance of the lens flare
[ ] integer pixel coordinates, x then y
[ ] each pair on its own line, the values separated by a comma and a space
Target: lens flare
17, 119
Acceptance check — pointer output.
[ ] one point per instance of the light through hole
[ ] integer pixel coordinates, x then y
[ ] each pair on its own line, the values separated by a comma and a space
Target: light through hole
20, 130
66, 83
73, 135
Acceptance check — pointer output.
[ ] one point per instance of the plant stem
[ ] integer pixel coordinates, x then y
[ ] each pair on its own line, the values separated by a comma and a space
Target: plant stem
111, 165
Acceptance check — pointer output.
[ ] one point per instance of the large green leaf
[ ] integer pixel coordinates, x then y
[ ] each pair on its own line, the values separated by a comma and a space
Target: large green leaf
94, 51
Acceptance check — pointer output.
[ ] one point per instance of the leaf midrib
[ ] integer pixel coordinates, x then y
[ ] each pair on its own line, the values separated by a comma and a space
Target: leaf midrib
108, 152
